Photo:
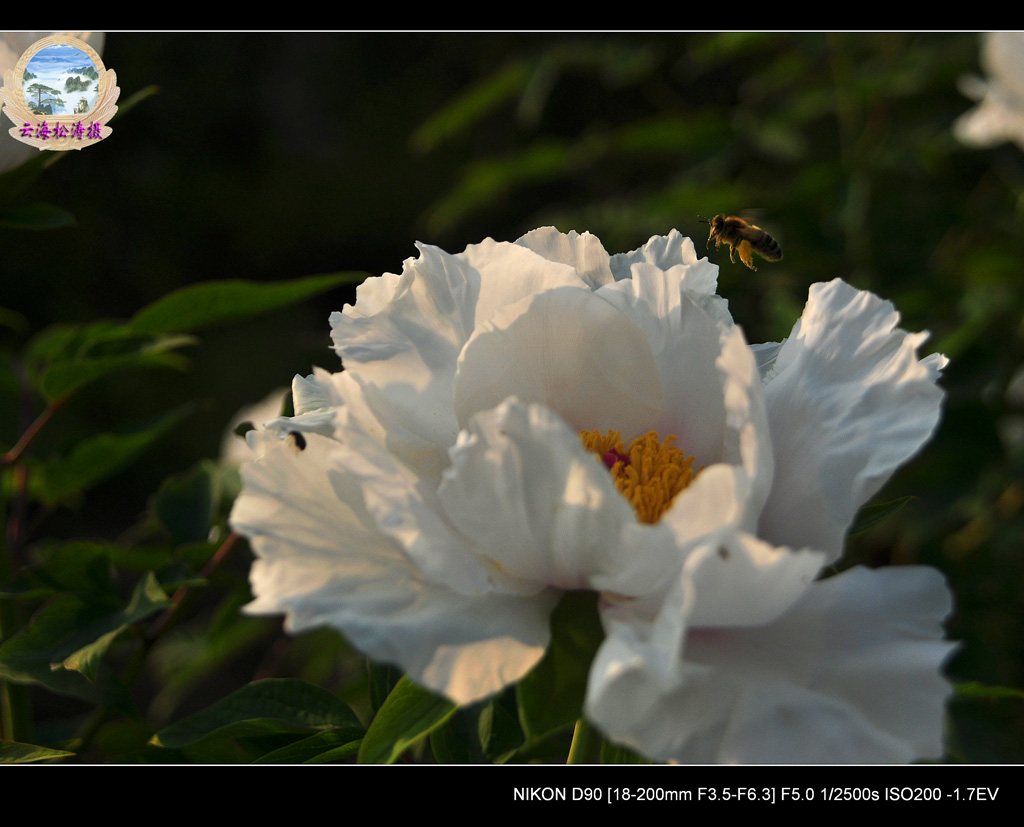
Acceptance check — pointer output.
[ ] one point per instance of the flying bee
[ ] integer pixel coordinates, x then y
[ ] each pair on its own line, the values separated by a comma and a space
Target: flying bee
743, 238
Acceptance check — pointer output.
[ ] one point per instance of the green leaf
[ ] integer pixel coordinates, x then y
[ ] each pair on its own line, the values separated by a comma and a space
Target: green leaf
551, 696
275, 705
125, 106
485, 732
147, 599
321, 748
77, 566
35, 217
472, 105
12, 320
66, 377
487, 181
383, 678
985, 724
217, 302
186, 504
458, 740
62, 342
614, 754
68, 636
979, 691
182, 662
56, 342
11, 752
29, 655
409, 714
336, 755
140, 558
871, 515
500, 733
61, 479
17, 180
553, 748
63, 358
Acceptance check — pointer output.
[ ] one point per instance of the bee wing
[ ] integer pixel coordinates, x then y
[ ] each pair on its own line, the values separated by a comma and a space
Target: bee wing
750, 233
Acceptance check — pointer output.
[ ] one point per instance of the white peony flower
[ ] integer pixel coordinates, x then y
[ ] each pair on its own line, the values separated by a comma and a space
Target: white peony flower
1000, 114
434, 499
12, 47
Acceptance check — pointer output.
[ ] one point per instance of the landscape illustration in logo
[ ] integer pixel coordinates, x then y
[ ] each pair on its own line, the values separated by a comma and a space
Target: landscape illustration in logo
60, 80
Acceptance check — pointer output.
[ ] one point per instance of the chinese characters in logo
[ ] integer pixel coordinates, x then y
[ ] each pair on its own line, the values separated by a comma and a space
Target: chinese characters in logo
60, 130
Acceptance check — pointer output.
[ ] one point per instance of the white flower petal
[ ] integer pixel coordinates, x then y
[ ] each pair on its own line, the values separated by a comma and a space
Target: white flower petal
566, 349
666, 252
584, 253
848, 403
400, 346
511, 272
315, 399
373, 295
685, 344
560, 516
746, 438
395, 427
406, 509
742, 581
765, 356
322, 560
714, 504
675, 254
851, 673
313, 392
401, 349
729, 494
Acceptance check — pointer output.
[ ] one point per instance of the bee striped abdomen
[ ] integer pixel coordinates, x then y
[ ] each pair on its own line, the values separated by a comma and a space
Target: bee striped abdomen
769, 249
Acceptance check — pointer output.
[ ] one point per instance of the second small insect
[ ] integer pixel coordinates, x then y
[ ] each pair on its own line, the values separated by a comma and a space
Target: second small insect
742, 237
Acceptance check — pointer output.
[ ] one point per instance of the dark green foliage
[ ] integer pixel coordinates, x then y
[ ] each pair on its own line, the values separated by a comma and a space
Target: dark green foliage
69, 636
100, 619
551, 696
408, 714
264, 706
35, 217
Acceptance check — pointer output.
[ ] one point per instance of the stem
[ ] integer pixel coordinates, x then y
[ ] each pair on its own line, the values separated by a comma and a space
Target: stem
586, 744
148, 640
211, 565
15, 453
15, 699
15, 702
15, 709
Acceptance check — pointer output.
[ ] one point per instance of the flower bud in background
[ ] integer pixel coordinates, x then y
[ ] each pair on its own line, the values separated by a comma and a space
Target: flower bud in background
999, 115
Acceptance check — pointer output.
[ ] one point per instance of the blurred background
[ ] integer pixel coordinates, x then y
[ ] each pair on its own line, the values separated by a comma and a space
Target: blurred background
274, 156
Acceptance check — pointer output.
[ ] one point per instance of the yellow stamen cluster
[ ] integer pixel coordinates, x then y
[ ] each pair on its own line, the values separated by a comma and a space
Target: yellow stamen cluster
649, 474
